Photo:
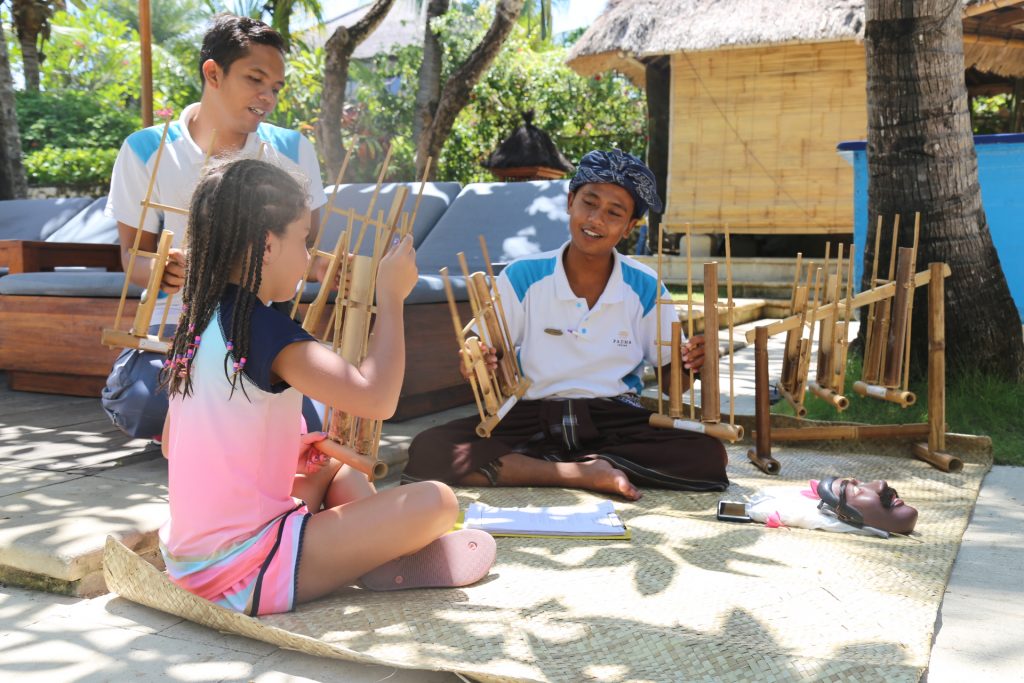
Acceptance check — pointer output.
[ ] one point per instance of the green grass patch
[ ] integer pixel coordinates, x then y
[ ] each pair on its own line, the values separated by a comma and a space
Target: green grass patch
975, 404
678, 293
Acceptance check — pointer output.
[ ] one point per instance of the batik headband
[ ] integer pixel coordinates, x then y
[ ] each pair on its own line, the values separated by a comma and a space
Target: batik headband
622, 169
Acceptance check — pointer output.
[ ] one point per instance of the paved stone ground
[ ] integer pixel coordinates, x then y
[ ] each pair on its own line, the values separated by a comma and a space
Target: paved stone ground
67, 479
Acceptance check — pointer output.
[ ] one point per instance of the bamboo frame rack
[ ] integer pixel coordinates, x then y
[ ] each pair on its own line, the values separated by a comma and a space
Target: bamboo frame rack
710, 421
886, 371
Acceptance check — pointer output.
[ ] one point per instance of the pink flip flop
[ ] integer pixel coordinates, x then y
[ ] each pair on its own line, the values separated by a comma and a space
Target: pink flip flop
456, 559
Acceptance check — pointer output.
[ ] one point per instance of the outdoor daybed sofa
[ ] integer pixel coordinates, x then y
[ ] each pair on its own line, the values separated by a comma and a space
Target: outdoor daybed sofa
50, 322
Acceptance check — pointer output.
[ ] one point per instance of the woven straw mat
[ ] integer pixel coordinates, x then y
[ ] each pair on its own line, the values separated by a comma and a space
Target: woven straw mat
688, 599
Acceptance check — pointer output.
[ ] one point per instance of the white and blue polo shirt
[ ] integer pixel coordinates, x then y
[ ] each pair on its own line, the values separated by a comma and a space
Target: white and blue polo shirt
181, 165
569, 350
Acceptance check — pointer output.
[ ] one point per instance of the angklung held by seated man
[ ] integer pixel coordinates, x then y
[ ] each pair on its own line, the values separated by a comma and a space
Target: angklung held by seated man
583, 321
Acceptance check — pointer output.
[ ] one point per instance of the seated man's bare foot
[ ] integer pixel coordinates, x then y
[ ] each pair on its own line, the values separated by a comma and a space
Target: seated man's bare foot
600, 475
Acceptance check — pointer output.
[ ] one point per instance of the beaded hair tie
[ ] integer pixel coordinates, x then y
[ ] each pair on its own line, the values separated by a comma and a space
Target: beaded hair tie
238, 364
183, 361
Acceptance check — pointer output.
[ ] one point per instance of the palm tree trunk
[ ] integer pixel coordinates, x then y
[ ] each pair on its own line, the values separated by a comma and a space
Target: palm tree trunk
337, 55
921, 157
429, 88
12, 173
30, 61
455, 95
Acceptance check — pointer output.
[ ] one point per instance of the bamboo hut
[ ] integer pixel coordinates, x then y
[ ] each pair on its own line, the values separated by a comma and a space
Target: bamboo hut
527, 154
750, 97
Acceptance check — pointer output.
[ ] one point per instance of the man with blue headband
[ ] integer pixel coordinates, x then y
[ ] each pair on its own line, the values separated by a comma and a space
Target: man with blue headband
584, 321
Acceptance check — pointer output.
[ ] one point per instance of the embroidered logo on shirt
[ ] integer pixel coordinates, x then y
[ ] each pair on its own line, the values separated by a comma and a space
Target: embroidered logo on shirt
622, 339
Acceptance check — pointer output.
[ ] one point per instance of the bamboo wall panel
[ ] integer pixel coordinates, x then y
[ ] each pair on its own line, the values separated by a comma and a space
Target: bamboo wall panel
754, 134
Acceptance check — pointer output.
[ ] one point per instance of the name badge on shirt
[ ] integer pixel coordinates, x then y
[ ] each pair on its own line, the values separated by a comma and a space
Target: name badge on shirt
553, 331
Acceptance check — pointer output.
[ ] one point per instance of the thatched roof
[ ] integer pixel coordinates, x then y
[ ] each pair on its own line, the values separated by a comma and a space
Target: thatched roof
528, 145
630, 31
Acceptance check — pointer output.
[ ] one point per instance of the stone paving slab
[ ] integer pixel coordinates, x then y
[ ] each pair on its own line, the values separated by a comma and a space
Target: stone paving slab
50, 639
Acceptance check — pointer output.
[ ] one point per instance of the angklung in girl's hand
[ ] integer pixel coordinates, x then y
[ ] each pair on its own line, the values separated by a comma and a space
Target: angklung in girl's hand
311, 460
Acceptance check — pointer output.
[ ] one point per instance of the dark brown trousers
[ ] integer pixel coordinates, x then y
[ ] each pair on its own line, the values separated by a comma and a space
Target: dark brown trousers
572, 430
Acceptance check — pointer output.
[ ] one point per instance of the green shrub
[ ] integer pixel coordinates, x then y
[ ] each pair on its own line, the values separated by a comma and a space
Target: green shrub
74, 167
71, 119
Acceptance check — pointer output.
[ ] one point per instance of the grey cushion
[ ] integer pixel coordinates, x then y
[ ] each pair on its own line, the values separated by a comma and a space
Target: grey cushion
436, 199
37, 219
516, 219
88, 226
87, 283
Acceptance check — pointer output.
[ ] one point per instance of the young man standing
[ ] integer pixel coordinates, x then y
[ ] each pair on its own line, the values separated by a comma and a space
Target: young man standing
242, 68
583, 320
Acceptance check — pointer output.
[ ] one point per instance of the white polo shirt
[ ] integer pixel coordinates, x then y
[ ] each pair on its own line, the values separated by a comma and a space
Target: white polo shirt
569, 350
180, 167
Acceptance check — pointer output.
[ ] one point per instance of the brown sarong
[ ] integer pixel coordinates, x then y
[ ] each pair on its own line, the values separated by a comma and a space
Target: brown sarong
571, 430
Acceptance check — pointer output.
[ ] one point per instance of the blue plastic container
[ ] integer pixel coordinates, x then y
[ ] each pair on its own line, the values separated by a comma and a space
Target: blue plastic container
1001, 175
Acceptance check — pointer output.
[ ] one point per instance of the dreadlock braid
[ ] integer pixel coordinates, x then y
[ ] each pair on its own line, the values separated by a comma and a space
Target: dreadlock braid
233, 208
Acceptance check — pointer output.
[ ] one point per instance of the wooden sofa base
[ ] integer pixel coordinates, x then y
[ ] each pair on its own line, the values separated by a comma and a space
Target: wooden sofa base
52, 344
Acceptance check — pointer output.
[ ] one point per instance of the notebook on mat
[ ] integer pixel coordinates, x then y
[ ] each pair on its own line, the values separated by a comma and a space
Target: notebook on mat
596, 520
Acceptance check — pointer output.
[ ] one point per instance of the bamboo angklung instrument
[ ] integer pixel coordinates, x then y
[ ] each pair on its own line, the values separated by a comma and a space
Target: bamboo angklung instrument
831, 341
495, 392
710, 422
137, 336
883, 291
353, 440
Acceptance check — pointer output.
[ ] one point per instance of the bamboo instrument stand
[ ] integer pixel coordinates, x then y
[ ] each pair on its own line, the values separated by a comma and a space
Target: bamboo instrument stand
353, 440
710, 422
495, 392
137, 335
887, 355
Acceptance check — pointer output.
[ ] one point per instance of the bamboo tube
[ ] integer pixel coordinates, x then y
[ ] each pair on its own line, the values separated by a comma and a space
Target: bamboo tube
675, 387
464, 359
661, 362
689, 311
937, 459
897, 338
372, 468
826, 336
840, 380
910, 306
798, 406
508, 345
898, 396
139, 229
829, 395
884, 322
796, 283
761, 453
719, 430
732, 347
838, 432
488, 424
147, 304
791, 354
710, 397
805, 348
484, 379
490, 328
320, 232
936, 359
870, 322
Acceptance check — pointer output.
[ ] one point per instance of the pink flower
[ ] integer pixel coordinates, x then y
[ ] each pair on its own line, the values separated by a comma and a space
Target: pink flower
165, 113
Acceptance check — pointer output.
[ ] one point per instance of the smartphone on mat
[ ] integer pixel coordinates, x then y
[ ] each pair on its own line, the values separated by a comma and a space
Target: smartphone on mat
729, 511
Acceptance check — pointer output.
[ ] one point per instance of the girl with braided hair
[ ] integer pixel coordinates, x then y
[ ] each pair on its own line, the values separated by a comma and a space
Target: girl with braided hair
246, 487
